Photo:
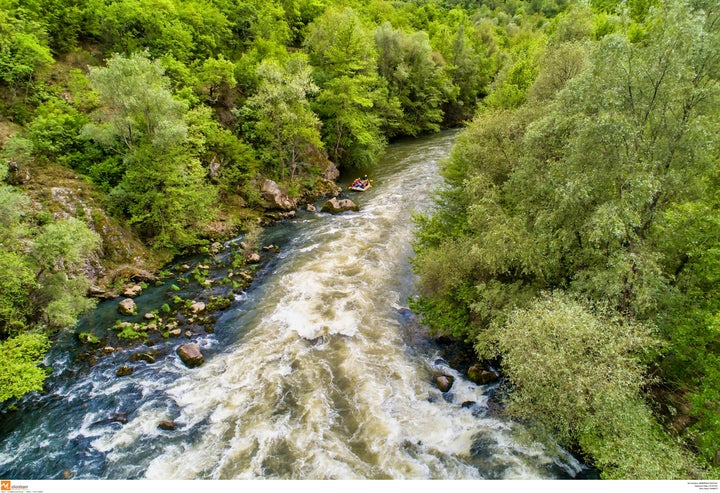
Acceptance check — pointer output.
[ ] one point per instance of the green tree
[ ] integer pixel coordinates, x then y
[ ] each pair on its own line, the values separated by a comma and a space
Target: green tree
467, 67
23, 49
138, 105
415, 76
216, 75
351, 98
579, 374
59, 253
163, 189
231, 163
283, 122
166, 196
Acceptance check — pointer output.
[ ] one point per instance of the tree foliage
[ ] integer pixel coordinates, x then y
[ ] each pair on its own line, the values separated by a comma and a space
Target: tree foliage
598, 179
19, 358
42, 287
352, 98
579, 372
283, 120
589, 173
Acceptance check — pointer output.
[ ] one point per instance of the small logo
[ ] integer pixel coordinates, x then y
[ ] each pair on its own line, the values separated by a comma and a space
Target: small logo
5, 485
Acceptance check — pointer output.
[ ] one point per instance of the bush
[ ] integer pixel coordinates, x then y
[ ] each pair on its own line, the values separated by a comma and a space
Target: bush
19, 358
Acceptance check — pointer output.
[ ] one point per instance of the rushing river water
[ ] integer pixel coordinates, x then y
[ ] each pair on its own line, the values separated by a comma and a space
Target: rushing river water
317, 374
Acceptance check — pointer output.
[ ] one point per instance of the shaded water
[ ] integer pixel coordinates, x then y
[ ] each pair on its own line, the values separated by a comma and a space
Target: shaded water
318, 374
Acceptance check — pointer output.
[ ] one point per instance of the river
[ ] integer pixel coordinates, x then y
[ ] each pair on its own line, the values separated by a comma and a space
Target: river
316, 373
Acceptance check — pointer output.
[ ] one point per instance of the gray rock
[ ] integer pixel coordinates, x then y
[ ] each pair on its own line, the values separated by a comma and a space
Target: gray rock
336, 206
190, 355
331, 172
276, 198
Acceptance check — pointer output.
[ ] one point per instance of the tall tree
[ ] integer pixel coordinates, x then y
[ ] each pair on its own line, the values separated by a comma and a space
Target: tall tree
281, 116
352, 97
415, 76
137, 104
163, 190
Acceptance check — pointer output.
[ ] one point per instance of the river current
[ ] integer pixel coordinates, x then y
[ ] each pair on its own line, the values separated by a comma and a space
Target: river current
318, 373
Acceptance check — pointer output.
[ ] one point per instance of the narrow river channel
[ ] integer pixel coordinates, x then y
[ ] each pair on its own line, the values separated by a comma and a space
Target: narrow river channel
316, 374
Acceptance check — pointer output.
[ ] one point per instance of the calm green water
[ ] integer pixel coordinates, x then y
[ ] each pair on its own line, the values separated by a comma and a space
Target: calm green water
317, 373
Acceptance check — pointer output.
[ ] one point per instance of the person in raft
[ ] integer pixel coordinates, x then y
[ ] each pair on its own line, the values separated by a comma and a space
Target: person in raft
364, 182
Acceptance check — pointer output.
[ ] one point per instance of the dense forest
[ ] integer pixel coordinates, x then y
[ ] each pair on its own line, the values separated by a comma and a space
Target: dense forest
133, 131
575, 243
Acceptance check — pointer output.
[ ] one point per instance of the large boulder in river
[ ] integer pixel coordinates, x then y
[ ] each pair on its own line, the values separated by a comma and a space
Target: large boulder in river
190, 355
276, 198
127, 307
444, 382
336, 206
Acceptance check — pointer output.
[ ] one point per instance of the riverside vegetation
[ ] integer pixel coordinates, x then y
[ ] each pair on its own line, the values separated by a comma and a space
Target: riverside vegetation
575, 243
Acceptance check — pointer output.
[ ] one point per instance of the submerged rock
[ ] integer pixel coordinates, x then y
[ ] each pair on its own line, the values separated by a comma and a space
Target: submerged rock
146, 357
167, 425
190, 355
336, 206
